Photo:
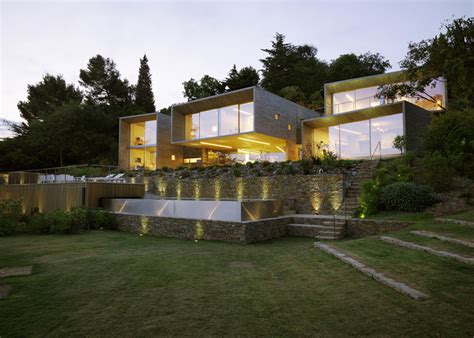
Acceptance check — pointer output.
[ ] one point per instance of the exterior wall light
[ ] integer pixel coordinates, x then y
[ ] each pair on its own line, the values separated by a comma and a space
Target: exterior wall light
173, 158
290, 126
277, 116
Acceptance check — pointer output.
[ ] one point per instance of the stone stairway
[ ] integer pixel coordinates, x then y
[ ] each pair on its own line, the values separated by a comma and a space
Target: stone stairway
362, 172
316, 226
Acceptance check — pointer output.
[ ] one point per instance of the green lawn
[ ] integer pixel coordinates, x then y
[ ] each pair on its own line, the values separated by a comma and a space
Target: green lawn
118, 284
464, 216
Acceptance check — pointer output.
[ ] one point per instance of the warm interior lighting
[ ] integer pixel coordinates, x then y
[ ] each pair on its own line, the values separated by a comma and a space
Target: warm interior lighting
216, 145
245, 151
192, 160
349, 97
281, 149
214, 128
254, 141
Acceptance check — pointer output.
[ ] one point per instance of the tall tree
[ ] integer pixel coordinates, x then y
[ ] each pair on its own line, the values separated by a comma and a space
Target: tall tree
288, 65
245, 77
144, 98
102, 83
205, 87
44, 97
450, 54
350, 66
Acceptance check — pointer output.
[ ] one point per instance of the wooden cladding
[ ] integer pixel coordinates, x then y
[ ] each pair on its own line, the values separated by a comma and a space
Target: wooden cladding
66, 196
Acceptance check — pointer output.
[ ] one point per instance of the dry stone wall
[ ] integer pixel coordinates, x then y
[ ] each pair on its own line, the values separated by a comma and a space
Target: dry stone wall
304, 194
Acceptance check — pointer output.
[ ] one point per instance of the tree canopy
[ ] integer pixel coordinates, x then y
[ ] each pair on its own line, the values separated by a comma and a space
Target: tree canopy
43, 97
450, 55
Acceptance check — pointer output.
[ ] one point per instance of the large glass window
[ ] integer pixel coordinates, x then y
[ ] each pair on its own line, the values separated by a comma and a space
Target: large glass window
229, 120
246, 117
364, 138
208, 123
365, 98
354, 139
384, 130
222, 121
150, 132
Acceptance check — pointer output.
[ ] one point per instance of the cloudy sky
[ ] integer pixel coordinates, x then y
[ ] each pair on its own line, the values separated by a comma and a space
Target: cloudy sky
185, 39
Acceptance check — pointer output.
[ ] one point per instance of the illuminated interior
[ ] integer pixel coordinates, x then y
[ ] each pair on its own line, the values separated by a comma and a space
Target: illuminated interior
365, 97
142, 148
222, 121
363, 138
240, 148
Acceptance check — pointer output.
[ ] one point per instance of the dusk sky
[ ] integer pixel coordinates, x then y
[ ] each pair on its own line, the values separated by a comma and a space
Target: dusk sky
185, 39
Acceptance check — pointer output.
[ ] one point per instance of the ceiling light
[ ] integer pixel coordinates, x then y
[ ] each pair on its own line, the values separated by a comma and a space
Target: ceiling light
281, 149
216, 145
254, 141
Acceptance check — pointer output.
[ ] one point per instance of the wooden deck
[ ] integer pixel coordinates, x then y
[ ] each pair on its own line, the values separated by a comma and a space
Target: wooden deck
66, 196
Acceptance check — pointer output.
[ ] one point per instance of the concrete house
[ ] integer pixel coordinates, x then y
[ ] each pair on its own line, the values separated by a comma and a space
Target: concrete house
252, 124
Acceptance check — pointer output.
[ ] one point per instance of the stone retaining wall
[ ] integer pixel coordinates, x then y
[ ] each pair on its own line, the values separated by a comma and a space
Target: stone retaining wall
305, 194
245, 232
368, 227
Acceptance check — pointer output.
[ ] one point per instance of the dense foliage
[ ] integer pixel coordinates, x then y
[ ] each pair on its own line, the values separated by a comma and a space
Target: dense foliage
327, 164
449, 54
406, 196
12, 220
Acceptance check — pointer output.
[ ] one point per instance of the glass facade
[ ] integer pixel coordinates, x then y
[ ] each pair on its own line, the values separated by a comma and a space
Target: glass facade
365, 98
142, 147
218, 122
361, 139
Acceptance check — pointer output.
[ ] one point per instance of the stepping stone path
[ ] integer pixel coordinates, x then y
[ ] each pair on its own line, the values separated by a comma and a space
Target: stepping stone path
18, 271
5, 291
443, 238
378, 276
455, 221
427, 249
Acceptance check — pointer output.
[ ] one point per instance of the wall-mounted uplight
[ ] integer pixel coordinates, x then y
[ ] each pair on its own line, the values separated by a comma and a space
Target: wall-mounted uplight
254, 141
215, 145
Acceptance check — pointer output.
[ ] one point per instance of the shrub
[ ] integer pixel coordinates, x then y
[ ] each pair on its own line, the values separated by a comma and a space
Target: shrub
406, 196
369, 199
436, 171
237, 172
10, 217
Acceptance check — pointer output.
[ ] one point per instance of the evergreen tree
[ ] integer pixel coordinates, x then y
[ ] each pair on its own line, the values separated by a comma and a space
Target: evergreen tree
103, 84
246, 77
44, 97
144, 98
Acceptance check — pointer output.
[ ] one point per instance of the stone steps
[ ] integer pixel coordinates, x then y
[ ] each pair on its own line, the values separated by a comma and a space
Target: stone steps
328, 230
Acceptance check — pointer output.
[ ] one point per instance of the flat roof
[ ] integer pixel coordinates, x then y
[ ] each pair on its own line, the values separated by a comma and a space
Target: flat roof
356, 115
139, 118
365, 81
211, 102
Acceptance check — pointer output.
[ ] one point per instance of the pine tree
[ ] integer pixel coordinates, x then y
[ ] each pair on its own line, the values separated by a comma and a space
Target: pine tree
144, 95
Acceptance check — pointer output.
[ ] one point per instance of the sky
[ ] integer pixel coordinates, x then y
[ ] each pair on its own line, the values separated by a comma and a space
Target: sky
187, 39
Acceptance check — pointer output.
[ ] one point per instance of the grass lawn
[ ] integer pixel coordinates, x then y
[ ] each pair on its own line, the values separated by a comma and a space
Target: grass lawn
118, 284
464, 216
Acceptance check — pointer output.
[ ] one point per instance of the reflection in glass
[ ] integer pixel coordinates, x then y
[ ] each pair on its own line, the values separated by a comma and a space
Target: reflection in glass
365, 98
150, 132
246, 117
229, 120
384, 130
355, 139
208, 123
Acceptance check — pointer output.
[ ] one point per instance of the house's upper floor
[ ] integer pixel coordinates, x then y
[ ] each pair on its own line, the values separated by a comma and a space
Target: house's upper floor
360, 93
246, 111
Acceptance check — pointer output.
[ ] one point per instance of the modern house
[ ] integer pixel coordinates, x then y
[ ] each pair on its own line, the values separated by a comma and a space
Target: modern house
244, 125
358, 125
252, 124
